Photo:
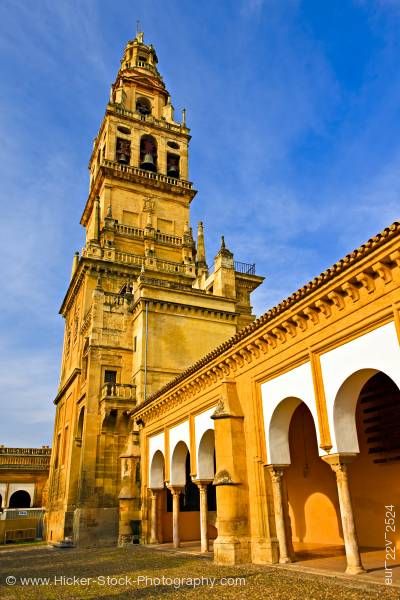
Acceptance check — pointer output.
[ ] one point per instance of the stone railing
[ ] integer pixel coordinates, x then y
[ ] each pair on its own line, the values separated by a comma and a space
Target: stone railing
153, 263
112, 299
169, 267
164, 238
129, 259
125, 112
187, 185
45, 451
123, 391
128, 230
167, 238
36, 459
143, 65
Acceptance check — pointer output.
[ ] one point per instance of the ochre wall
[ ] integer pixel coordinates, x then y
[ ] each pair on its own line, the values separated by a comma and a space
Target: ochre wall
312, 491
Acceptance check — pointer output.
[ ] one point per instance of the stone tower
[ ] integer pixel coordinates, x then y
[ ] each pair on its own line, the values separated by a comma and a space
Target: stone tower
141, 305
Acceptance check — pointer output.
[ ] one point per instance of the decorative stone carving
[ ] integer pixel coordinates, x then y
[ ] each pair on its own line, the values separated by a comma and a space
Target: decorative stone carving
367, 282
223, 478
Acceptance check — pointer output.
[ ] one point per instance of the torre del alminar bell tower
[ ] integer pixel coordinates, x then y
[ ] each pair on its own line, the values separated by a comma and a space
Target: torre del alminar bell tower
141, 305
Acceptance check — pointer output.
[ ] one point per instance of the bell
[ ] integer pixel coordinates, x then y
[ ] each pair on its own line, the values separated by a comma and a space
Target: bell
148, 162
173, 171
123, 158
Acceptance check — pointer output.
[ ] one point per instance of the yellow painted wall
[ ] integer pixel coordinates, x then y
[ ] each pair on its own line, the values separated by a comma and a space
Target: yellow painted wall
312, 491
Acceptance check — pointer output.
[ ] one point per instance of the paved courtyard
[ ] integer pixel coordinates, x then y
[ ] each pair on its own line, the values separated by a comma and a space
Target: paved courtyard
145, 572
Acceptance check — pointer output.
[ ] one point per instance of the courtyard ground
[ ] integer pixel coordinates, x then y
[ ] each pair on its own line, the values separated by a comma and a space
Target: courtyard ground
146, 572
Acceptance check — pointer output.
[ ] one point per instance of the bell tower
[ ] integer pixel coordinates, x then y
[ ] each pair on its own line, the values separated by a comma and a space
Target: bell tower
141, 145
141, 305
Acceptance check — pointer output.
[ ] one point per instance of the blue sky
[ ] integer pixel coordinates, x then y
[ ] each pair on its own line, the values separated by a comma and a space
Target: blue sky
294, 108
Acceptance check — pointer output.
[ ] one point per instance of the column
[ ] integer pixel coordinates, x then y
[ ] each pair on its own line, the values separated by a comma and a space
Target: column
153, 516
339, 467
202, 485
175, 491
276, 477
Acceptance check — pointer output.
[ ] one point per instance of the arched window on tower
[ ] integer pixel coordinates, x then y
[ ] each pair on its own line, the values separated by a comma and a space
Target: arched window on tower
85, 357
173, 165
79, 428
143, 106
123, 151
148, 153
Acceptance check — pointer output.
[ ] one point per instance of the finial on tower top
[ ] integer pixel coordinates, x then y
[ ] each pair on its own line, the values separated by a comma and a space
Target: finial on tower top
222, 242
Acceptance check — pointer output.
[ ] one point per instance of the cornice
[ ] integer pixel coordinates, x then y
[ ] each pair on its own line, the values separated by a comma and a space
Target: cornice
67, 384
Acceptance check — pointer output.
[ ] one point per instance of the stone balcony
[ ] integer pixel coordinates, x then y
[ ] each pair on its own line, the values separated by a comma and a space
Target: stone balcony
118, 391
137, 233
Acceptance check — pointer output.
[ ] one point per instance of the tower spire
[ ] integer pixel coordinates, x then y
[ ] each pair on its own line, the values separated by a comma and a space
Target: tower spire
201, 249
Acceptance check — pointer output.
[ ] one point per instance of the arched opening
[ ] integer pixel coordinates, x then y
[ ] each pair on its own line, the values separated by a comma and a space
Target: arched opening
79, 428
157, 471
85, 358
20, 499
206, 468
173, 165
189, 499
148, 153
312, 493
311, 505
143, 106
374, 475
123, 151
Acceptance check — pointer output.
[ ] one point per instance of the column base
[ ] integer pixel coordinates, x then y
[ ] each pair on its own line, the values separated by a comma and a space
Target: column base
285, 561
264, 551
355, 570
231, 551
125, 540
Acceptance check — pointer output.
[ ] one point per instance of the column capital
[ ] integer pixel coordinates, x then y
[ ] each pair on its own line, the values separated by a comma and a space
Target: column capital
202, 483
175, 489
276, 472
338, 463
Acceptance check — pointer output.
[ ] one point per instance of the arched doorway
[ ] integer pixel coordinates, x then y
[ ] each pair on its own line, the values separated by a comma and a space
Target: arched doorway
314, 511
183, 499
158, 497
307, 510
370, 429
205, 475
20, 499
157, 470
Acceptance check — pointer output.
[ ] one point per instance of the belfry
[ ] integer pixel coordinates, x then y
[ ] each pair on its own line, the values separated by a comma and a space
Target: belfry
141, 305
